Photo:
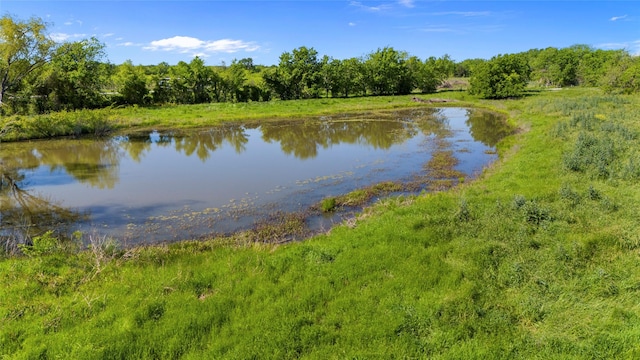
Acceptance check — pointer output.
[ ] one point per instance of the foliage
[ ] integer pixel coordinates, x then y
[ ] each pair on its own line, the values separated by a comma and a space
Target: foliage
297, 75
501, 77
24, 49
40, 245
74, 78
624, 76
131, 85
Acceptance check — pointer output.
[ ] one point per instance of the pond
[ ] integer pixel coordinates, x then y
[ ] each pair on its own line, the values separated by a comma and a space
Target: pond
168, 186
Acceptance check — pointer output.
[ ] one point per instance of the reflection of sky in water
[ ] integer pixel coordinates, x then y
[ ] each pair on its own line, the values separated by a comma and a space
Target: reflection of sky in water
226, 189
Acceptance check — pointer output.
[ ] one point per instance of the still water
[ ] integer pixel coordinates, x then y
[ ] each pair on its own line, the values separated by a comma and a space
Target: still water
169, 186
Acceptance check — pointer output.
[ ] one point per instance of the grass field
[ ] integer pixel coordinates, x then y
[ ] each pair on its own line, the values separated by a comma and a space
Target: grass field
537, 259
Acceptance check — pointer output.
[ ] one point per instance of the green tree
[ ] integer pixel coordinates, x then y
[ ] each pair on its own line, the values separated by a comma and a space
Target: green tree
434, 72
75, 77
594, 65
160, 83
386, 72
352, 80
132, 84
233, 80
465, 68
501, 77
330, 73
195, 83
24, 48
623, 75
296, 76
201, 78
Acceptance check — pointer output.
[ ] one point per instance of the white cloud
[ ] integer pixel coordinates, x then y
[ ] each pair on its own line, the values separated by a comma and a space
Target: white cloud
369, 8
616, 18
352, 24
633, 47
463, 13
437, 29
61, 37
180, 43
108, 35
128, 43
229, 46
407, 3
186, 44
71, 22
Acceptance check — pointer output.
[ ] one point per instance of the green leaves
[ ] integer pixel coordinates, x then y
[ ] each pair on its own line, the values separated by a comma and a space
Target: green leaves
501, 77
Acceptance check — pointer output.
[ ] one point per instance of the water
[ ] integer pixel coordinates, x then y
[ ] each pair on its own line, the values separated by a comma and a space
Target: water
170, 186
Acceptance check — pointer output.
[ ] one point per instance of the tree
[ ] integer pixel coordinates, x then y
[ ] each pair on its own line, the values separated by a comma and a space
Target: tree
386, 71
161, 88
623, 75
501, 77
297, 75
352, 78
24, 48
465, 68
433, 72
593, 65
132, 85
233, 79
75, 77
195, 83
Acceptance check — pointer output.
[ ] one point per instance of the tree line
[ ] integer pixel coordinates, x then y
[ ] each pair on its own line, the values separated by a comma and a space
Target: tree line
38, 75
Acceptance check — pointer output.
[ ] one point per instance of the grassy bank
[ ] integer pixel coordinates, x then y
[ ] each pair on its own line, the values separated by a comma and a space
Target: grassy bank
537, 259
131, 119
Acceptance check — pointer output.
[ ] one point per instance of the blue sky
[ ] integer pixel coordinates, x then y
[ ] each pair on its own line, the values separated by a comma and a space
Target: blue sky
149, 32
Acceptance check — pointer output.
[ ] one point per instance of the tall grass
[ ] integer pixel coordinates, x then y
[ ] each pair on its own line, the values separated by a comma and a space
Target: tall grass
535, 260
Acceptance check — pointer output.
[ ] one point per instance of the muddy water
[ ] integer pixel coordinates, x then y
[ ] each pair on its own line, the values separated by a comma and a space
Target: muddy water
168, 186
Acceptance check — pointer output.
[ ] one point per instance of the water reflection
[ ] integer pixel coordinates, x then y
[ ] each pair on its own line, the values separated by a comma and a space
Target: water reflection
141, 181
91, 162
487, 127
26, 214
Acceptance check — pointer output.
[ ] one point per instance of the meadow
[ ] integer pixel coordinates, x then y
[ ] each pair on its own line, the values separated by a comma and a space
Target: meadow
535, 259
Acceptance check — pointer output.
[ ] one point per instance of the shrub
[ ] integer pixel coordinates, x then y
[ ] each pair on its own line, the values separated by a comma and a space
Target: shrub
501, 77
40, 245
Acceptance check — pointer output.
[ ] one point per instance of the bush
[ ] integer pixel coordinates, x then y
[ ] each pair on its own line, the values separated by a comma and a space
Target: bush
501, 77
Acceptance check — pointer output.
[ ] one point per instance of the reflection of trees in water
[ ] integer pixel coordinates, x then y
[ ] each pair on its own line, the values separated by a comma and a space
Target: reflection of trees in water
487, 127
93, 162
23, 214
205, 142
303, 139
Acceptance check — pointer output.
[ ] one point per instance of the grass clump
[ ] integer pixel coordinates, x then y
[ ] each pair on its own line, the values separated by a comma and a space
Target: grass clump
328, 204
359, 197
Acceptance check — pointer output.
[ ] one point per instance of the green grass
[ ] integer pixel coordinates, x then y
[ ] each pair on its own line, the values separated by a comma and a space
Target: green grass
134, 119
537, 259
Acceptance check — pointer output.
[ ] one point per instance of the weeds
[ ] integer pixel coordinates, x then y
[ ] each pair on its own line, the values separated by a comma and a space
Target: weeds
44, 244
63, 123
103, 250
